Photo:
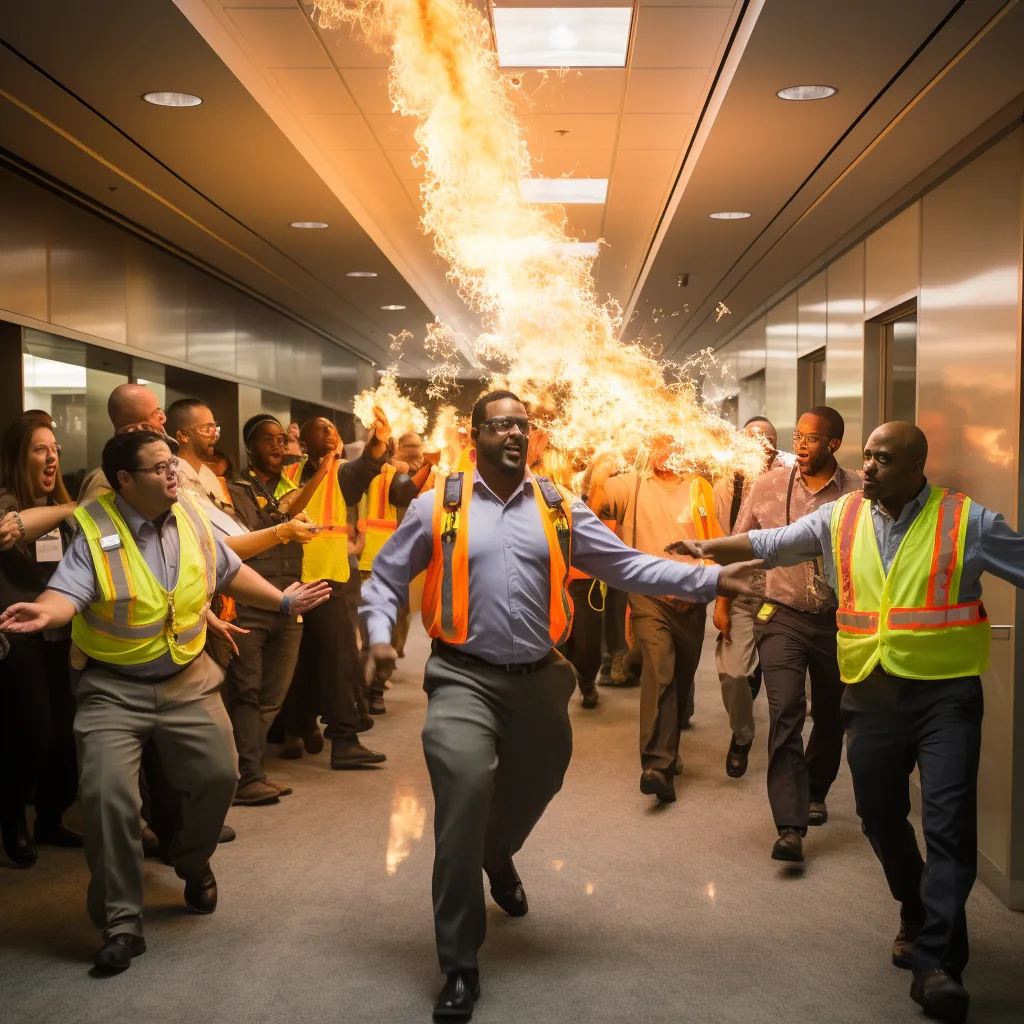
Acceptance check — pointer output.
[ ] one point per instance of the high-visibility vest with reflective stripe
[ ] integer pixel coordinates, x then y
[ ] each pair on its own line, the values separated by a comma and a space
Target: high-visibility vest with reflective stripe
446, 589
136, 620
378, 519
911, 621
325, 557
293, 473
285, 484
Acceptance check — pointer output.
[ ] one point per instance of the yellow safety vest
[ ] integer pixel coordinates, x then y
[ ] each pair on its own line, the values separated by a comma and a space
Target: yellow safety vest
378, 518
293, 472
136, 620
910, 621
325, 557
446, 589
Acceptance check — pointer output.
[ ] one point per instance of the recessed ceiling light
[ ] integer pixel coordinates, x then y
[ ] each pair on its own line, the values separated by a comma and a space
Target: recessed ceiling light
729, 215
361, 273
172, 99
392, 308
563, 190
806, 92
562, 37
309, 224
576, 248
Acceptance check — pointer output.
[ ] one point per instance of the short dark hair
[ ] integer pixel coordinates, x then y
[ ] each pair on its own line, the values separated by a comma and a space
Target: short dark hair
180, 412
836, 423
759, 419
480, 409
122, 452
253, 422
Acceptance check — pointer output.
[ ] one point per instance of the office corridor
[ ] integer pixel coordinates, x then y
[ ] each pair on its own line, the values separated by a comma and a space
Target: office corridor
637, 912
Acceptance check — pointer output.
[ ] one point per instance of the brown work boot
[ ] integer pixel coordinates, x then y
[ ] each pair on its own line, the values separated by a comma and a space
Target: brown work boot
255, 794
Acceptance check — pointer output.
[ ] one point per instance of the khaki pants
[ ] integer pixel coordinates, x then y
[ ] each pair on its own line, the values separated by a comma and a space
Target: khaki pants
185, 718
736, 662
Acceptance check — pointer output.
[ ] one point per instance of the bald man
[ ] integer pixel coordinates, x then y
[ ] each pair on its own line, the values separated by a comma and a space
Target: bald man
905, 560
130, 407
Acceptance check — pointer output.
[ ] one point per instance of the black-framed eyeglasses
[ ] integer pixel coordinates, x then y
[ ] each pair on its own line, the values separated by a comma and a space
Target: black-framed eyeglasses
505, 424
167, 468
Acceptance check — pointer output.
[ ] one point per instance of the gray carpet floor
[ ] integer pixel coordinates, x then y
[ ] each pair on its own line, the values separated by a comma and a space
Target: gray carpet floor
638, 912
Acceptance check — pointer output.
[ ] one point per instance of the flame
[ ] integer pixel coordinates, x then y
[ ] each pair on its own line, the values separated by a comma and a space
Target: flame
544, 327
402, 413
408, 816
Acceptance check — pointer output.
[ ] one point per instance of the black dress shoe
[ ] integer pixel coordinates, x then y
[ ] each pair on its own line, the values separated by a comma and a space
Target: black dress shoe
656, 783
903, 945
377, 706
56, 833
201, 893
941, 995
353, 755
461, 990
18, 843
736, 759
590, 697
508, 892
227, 834
818, 813
789, 846
366, 723
116, 953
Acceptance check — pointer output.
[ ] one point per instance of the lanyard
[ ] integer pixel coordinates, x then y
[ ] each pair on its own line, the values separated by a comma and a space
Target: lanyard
273, 508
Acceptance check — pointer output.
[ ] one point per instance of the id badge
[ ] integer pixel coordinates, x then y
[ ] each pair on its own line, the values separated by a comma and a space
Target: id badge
767, 612
49, 547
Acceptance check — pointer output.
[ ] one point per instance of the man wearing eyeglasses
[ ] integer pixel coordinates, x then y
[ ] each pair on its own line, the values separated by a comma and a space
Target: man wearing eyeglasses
497, 545
135, 585
190, 422
796, 630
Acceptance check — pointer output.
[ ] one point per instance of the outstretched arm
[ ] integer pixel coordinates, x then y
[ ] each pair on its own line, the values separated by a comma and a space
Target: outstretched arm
49, 611
36, 521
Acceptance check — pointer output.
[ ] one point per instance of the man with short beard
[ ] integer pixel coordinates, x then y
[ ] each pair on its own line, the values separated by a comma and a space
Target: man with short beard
497, 545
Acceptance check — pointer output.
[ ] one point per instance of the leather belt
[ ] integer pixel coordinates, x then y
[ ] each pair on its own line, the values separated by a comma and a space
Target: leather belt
450, 651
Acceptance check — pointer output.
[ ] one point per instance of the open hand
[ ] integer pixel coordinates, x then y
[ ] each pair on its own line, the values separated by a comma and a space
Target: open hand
379, 656
24, 617
223, 629
736, 580
306, 596
685, 547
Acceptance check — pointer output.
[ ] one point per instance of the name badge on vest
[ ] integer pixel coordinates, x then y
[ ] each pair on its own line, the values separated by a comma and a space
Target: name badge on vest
49, 547
110, 543
767, 612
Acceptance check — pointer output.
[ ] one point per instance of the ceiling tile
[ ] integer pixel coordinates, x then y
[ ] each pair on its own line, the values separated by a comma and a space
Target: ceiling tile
369, 86
340, 131
645, 164
690, 3
586, 91
584, 221
586, 131
654, 131
560, 162
280, 38
315, 90
393, 131
401, 161
349, 50
678, 37
665, 90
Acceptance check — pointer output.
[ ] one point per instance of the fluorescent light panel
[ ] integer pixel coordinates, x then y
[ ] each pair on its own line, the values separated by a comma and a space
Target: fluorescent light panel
564, 190
562, 37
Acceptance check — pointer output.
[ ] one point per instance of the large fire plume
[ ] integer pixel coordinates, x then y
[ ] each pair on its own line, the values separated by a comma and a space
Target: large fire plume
544, 328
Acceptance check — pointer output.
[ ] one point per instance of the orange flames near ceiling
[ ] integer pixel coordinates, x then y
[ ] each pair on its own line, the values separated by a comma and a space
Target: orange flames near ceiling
553, 341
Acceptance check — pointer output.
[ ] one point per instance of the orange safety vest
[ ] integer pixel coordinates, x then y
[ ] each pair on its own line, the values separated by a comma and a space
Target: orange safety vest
446, 590
294, 471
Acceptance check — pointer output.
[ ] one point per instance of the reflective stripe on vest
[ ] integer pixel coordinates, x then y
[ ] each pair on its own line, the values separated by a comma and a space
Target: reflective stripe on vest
909, 620
173, 621
325, 557
293, 473
446, 590
380, 519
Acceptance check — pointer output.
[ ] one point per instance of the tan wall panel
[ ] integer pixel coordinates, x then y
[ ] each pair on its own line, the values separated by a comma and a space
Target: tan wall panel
156, 297
891, 263
780, 366
811, 315
24, 227
844, 360
969, 405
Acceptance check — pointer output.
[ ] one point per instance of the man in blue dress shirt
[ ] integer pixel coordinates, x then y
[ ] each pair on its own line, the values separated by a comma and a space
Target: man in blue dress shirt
497, 737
